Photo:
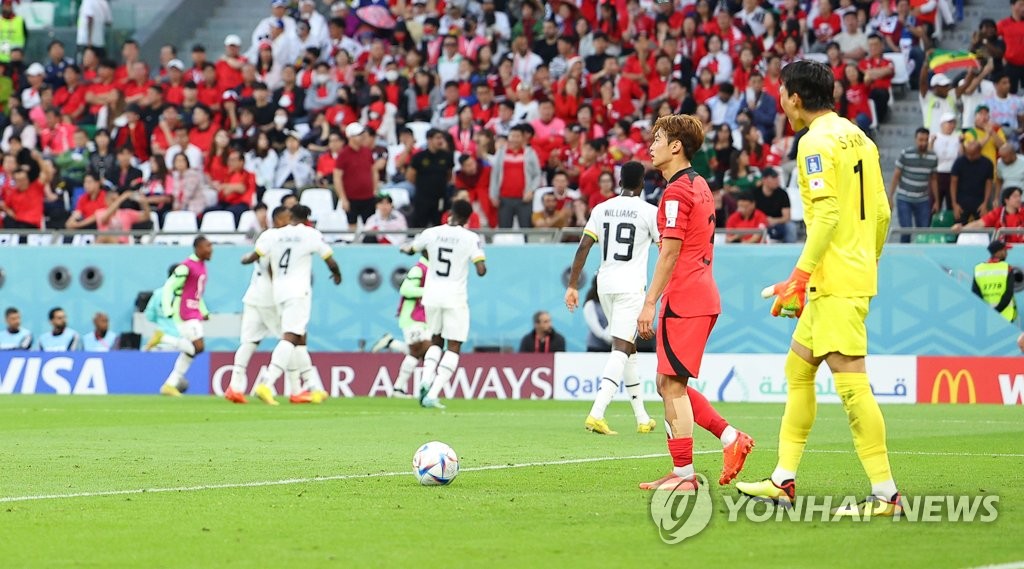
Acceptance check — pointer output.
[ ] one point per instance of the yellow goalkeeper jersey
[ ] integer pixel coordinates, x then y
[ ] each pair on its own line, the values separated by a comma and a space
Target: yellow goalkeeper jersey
835, 158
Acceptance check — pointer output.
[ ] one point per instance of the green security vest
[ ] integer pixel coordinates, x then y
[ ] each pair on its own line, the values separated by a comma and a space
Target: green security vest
991, 280
12, 35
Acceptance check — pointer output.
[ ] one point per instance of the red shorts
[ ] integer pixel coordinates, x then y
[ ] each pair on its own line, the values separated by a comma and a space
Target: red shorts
681, 343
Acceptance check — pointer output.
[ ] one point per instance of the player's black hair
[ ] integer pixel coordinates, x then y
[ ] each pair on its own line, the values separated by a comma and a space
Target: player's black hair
10, 310
814, 82
461, 211
260, 206
631, 178
53, 312
280, 210
538, 314
199, 240
301, 213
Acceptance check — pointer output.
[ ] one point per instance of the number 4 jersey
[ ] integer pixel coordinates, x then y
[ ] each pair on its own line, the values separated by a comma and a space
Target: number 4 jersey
290, 250
687, 213
451, 250
625, 228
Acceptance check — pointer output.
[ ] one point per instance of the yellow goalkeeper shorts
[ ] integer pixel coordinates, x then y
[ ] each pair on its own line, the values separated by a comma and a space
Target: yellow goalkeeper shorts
834, 324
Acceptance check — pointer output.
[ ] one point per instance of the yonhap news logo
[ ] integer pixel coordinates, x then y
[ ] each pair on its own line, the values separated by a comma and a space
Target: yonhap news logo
681, 513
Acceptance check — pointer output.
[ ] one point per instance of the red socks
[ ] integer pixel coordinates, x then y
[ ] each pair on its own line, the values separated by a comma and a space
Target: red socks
705, 415
681, 451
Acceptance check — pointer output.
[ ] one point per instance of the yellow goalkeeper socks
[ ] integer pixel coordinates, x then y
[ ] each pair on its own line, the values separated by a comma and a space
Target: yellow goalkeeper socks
868, 428
801, 406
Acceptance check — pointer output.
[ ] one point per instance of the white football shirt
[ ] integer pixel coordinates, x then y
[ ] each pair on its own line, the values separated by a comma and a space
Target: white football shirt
290, 251
624, 228
451, 250
260, 291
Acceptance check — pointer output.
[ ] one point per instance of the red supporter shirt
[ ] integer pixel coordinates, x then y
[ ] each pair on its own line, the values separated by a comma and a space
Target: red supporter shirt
69, 102
998, 219
228, 78
687, 213
588, 179
513, 178
877, 63
826, 28
27, 205
87, 206
132, 89
757, 221
174, 94
209, 96
1012, 32
243, 177
99, 89
202, 138
356, 172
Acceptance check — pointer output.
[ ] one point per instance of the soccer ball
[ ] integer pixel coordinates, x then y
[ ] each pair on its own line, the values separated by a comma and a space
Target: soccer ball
435, 464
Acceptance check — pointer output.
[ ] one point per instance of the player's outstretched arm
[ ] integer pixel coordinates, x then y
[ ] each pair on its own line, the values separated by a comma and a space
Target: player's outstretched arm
335, 270
481, 267
250, 257
572, 293
667, 258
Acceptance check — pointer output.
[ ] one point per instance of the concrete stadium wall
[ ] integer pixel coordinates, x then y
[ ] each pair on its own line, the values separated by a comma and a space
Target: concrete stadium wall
924, 307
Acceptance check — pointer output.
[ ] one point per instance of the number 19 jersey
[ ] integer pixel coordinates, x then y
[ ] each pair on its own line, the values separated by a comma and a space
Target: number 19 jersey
687, 213
451, 250
290, 250
625, 228
836, 159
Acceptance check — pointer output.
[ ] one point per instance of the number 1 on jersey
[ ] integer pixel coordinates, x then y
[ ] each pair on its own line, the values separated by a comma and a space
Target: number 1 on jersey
859, 170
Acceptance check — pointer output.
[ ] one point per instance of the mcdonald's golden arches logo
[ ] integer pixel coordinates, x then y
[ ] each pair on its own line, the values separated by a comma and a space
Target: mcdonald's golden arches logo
953, 386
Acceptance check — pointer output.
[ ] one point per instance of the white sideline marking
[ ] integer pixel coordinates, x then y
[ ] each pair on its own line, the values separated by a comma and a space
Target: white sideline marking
1010, 565
314, 479
289, 481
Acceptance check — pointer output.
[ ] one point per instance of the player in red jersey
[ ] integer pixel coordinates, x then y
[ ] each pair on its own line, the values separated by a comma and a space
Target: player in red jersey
690, 307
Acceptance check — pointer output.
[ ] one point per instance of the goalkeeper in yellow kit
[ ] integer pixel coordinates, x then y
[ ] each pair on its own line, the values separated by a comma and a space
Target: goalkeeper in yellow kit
847, 215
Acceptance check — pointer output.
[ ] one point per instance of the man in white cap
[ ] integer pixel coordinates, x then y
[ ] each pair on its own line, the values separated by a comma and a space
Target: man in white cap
278, 14
937, 97
229, 66
30, 97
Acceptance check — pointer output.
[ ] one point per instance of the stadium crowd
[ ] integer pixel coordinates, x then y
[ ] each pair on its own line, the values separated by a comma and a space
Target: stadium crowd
525, 108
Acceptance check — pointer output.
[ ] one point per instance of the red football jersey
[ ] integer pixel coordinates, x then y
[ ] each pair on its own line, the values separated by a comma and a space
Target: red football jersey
687, 213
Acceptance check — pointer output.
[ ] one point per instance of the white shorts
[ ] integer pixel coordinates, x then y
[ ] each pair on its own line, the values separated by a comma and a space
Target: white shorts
259, 322
449, 323
416, 333
622, 309
294, 314
191, 330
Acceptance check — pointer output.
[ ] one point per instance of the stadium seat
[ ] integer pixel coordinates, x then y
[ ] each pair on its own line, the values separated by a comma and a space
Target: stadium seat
318, 200
509, 239
900, 75
219, 226
538, 197
178, 222
399, 196
247, 222
272, 198
419, 132
973, 239
334, 225
37, 15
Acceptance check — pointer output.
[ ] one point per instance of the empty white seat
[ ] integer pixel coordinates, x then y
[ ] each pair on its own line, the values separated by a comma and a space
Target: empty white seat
247, 222
973, 239
399, 196
273, 197
509, 239
183, 222
419, 132
219, 226
318, 200
334, 225
155, 219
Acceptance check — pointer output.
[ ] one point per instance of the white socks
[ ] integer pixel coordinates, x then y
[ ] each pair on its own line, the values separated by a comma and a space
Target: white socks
181, 365
280, 361
185, 346
728, 436
610, 378
684, 472
885, 490
242, 356
781, 475
430, 361
636, 396
398, 346
302, 369
445, 369
404, 373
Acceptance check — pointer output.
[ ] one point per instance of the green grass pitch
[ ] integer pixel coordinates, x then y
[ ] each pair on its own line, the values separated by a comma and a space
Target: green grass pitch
542, 515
